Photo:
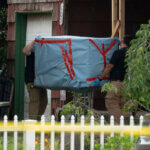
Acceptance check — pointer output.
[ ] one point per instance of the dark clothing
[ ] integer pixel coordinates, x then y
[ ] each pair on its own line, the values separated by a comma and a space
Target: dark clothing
38, 96
29, 70
119, 69
114, 100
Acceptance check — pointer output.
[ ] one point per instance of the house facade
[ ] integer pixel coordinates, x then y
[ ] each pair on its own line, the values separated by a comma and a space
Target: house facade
26, 18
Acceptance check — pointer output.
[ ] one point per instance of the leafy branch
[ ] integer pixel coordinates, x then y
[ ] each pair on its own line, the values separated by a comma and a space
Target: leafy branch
137, 81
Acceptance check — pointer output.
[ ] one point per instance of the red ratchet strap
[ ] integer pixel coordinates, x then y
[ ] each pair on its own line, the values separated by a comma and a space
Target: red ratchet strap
67, 59
103, 52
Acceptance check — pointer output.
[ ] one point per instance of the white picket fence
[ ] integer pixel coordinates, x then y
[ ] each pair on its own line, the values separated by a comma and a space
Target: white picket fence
29, 135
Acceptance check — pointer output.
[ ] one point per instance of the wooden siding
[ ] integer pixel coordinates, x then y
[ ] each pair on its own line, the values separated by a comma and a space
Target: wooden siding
30, 1
30, 7
11, 33
85, 18
37, 7
90, 18
11, 50
55, 16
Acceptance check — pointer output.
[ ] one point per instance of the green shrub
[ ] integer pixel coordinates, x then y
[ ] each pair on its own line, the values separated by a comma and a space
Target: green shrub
108, 88
117, 143
137, 80
77, 108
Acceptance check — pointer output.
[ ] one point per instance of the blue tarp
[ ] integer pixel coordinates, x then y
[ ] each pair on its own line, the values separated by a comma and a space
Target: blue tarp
71, 62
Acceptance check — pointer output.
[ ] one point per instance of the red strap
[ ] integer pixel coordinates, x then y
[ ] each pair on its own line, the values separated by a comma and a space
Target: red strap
106, 78
70, 62
66, 54
63, 54
92, 79
111, 45
103, 49
51, 41
71, 59
105, 61
103, 52
95, 46
70, 50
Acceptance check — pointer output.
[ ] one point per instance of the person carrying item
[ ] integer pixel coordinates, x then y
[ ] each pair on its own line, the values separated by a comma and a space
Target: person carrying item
38, 96
114, 101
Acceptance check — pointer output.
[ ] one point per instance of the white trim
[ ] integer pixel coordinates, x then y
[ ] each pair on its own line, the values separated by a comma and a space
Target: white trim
61, 13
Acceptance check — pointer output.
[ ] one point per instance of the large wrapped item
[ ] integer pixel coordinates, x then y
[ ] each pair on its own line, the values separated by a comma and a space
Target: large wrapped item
71, 62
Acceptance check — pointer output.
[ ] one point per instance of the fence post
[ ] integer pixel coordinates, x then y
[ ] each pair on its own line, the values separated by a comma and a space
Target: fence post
121, 124
102, 133
42, 133
141, 121
62, 134
82, 134
29, 136
72, 134
5, 133
92, 134
52, 133
112, 125
15, 133
131, 125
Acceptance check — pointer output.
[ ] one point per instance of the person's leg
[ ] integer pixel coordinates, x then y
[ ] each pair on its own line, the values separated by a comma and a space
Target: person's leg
113, 107
112, 101
34, 101
43, 100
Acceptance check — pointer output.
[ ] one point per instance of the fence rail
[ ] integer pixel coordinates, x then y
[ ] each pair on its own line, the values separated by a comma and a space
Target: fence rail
30, 127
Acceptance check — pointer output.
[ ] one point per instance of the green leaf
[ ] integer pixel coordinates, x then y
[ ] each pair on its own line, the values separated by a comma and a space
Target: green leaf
136, 82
